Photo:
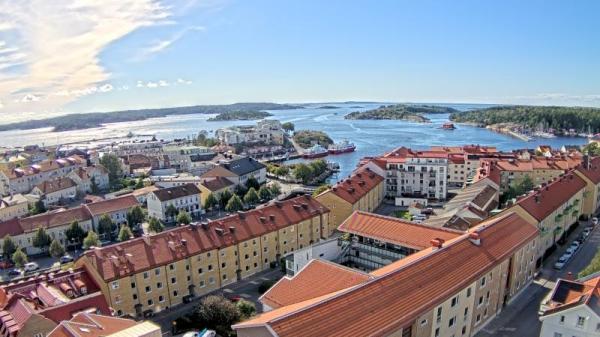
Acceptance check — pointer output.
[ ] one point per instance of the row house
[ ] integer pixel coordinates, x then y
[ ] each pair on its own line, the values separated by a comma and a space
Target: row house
56, 191
362, 191
239, 170
23, 180
87, 177
183, 198
13, 206
155, 272
36, 306
453, 288
589, 171
116, 209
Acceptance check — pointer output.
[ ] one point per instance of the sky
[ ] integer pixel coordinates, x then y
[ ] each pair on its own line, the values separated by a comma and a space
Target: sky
69, 56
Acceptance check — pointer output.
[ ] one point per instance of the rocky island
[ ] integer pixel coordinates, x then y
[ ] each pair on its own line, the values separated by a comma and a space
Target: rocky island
413, 113
240, 116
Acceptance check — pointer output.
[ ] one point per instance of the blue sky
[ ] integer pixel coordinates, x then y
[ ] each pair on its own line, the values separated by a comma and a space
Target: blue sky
121, 54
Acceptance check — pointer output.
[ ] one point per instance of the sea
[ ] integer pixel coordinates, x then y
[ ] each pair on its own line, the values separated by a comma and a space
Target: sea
372, 137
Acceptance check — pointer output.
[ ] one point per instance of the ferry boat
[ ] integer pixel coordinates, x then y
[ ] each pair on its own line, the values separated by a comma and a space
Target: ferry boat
448, 126
317, 151
341, 147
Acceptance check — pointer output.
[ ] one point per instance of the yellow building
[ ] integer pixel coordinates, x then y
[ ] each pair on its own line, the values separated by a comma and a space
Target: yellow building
151, 273
362, 191
216, 186
539, 169
589, 171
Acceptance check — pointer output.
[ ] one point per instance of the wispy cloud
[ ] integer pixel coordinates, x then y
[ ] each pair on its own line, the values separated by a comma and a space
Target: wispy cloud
162, 83
161, 45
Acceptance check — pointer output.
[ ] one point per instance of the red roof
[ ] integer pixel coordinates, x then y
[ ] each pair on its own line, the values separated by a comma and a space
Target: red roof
394, 230
55, 185
410, 287
61, 217
355, 187
91, 325
140, 254
540, 204
112, 205
592, 172
217, 183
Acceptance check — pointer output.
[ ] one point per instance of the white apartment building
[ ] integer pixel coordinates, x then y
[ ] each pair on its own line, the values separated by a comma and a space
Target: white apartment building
137, 147
185, 157
185, 197
12, 207
268, 131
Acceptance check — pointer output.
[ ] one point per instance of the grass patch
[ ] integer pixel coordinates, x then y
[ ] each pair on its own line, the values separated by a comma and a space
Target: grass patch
402, 215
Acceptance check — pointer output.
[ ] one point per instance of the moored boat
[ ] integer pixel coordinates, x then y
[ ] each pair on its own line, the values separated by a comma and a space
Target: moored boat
316, 151
341, 147
448, 126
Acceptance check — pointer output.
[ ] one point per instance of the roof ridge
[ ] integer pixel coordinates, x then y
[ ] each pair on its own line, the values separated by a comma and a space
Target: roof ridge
424, 225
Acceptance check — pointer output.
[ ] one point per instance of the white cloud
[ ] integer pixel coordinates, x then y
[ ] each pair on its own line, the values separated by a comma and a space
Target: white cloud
1, 105
182, 81
6, 26
161, 45
163, 83
30, 98
106, 88
152, 85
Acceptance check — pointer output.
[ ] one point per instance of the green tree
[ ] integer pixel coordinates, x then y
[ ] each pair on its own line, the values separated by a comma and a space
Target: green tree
218, 313
252, 183
234, 204
56, 249
154, 225
91, 240
139, 184
592, 267
75, 233
41, 240
106, 226
171, 211
136, 216
246, 308
321, 189
38, 207
251, 197
113, 165
224, 198
184, 218
19, 258
125, 233
303, 172
8, 246
264, 193
281, 171
592, 149
240, 190
519, 187
94, 186
275, 189
210, 201
288, 126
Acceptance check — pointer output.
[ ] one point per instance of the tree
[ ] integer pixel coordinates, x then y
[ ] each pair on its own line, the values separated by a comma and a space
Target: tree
184, 218
252, 183
234, 204
171, 211
288, 126
281, 171
264, 193
218, 313
210, 201
139, 184
136, 216
56, 249
113, 165
8, 246
251, 197
91, 240
224, 198
154, 225
246, 308
38, 207
240, 190
75, 233
41, 239
592, 149
106, 226
320, 189
19, 258
94, 186
125, 233
302, 172
275, 189
518, 187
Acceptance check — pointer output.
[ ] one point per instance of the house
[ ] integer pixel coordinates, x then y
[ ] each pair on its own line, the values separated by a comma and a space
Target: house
36, 306
589, 171
13, 206
215, 186
85, 324
90, 178
362, 191
432, 292
572, 308
239, 170
116, 209
184, 198
266, 131
155, 272
56, 191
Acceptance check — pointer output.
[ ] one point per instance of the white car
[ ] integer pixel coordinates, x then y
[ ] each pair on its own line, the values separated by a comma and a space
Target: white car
594, 221
30, 266
572, 249
561, 263
567, 255
203, 333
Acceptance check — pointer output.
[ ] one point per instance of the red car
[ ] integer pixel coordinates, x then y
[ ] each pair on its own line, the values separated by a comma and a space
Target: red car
234, 298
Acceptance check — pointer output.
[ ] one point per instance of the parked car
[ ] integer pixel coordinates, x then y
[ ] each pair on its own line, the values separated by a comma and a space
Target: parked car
572, 249
15, 272
31, 266
594, 221
66, 259
5, 264
561, 263
234, 298
568, 255
203, 333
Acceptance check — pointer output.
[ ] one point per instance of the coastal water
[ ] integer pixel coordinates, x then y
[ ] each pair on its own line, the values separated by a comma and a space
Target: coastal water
372, 137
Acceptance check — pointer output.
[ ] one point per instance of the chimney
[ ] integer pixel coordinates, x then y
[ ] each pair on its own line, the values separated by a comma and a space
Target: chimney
272, 217
241, 214
569, 276
537, 199
184, 242
231, 229
204, 224
475, 238
437, 243
219, 231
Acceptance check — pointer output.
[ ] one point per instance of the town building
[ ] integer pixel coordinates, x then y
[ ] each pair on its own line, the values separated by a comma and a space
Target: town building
150, 147
216, 186
13, 206
453, 288
184, 157
176, 180
362, 191
589, 171
183, 198
155, 272
267, 131
116, 209
56, 191
90, 179
238, 171
85, 324
35, 306
572, 308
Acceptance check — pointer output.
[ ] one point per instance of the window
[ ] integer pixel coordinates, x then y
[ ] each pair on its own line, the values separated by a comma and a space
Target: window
223, 265
556, 334
478, 318
172, 267
150, 302
145, 275
464, 330
209, 267
468, 292
134, 297
161, 298
451, 321
159, 285
439, 314
483, 281
173, 280
175, 293
224, 277
424, 322
148, 289
202, 284
454, 301
437, 332
211, 280
132, 285
114, 285
200, 270
157, 271
598, 327
480, 301
580, 321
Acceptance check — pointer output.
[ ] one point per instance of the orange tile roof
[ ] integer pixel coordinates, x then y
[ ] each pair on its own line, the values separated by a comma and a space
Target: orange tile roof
45, 166
317, 278
394, 230
55, 185
112, 205
91, 325
409, 288
592, 172
216, 184
61, 217
569, 293
140, 254
361, 182
540, 204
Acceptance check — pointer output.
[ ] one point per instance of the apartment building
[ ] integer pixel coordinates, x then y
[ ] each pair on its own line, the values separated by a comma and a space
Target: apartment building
86, 177
453, 288
85, 324
267, 131
184, 157
13, 206
176, 180
572, 308
362, 191
553, 207
238, 171
589, 171
184, 198
116, 209
22, 180
215, 186
56, 191
137, 147
35, 306
155, 272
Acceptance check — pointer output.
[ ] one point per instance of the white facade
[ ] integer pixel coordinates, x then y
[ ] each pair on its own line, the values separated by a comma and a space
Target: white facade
13, 206
327, 250
579, 321
23, 180
268, 131
157, 208
418, 177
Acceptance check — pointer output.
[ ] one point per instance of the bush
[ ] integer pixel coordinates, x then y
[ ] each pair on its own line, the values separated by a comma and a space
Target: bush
264, 286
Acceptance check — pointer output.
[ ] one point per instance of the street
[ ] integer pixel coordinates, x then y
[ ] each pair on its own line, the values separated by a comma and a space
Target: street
521, 318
